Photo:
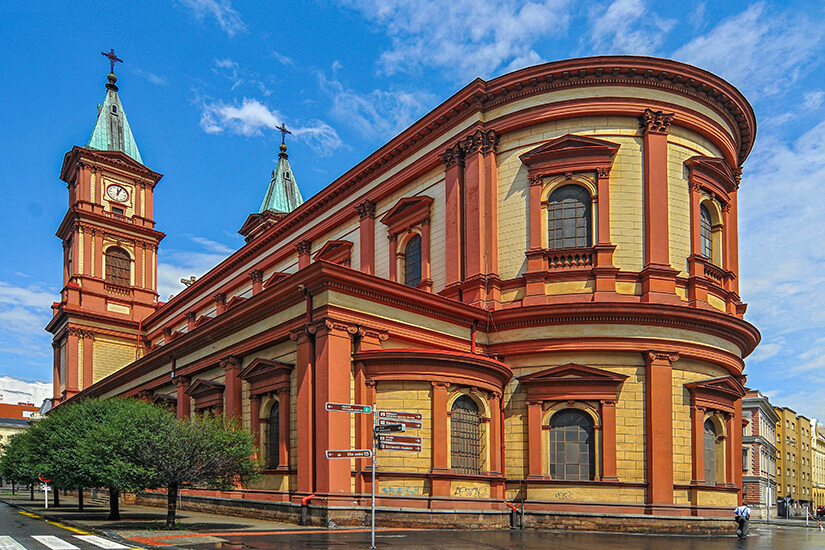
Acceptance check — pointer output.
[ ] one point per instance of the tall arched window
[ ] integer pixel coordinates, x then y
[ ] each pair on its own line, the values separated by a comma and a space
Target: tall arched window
118, 267
710, 452
465, 436
568, 218
273, 436
706, 232
412, 261
572, 446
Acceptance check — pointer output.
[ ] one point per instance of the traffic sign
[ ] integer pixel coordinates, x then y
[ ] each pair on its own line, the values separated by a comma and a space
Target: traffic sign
399, 439
389, 428
348, 408
41, 478
410, 424
350, 453
401, 447
398, 415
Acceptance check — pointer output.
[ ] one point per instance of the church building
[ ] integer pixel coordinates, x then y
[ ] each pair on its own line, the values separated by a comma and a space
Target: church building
543, 271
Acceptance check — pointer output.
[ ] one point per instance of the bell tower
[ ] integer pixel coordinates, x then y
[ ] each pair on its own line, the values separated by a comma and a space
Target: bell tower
109, 252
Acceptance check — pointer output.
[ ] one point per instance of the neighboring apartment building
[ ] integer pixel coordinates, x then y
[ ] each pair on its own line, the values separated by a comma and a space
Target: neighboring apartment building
14, 419
759, 453
818, 463
793, 459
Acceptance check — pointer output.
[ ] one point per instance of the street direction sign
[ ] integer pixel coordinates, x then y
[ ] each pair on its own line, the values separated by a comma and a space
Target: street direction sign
401, 447
399, 439
398, 415
410, 424
350, 453
389, 428
348, 408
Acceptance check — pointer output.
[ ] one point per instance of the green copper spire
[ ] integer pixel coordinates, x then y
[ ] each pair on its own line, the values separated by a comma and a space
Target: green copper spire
283, 195
112, 131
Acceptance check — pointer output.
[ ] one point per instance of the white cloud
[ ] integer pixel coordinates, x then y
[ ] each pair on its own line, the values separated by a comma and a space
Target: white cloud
759, 51
627, 27
813, 100
221, 11
151, 77
466, 37
378, 114
284, 60
251, 118
20, 391
24, 344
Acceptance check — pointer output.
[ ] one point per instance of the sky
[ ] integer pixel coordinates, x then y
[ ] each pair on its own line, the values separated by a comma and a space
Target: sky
205, 82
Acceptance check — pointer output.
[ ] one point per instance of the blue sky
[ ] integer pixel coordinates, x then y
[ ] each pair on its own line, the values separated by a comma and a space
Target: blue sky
205, 82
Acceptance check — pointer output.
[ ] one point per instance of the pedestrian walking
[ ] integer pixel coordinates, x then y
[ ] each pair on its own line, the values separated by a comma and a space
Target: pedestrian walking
742, 517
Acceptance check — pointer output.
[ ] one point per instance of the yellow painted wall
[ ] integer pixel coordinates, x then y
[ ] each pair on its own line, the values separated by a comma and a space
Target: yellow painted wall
111, 354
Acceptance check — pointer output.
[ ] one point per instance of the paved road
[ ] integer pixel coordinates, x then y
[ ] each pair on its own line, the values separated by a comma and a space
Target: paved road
22, 531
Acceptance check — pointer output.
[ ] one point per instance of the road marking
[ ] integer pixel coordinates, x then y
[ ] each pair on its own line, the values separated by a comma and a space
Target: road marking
29, 514
8, 543
55, 543
101, 542
72, 529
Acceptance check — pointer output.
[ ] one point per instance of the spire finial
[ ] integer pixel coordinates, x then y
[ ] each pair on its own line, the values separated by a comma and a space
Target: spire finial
112, 59
284, 132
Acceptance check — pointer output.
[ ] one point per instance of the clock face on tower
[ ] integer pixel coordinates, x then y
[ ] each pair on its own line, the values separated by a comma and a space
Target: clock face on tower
118, 193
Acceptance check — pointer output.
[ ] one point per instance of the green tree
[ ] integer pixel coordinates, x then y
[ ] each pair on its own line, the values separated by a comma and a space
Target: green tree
203, 451
17, 461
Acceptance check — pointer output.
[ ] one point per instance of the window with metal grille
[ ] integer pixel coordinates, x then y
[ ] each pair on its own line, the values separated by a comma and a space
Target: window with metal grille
572, 448
710, 452
118, 267
706, 232
412, 261
568, 218
465, 436
273, 436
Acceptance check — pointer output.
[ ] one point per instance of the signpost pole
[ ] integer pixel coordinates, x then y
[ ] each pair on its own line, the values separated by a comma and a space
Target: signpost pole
374, 462
46, 494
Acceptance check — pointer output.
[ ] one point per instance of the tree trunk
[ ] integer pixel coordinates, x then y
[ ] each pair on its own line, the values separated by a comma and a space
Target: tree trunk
114, 504
31, 488
171, 505
12, 487
56, 497
80, 499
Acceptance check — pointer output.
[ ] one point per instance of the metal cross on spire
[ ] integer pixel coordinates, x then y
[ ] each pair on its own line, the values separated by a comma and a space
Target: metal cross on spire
284, 132
112, 58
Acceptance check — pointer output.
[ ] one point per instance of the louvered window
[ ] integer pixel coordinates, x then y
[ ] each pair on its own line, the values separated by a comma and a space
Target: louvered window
465, 436
118, 267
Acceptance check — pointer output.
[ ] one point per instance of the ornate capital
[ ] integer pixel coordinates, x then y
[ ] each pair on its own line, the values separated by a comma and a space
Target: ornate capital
669, 356
726, 208
656, 122
190, 315
536, 179
392, 237
304, 247
440, 384
365, 209
220, 298
425, 220
87, 334
332, 325
230, 362
254, 397
603, 172
453, 156
282, 392
608, 402
374, 333
534, 403
480, 141
181, 381
496, 395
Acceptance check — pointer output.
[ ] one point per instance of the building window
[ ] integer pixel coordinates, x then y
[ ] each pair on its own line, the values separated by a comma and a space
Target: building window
412, 261
118, 267
465, 436
568, 218
710, 452
273, 436
706, 233
572, 448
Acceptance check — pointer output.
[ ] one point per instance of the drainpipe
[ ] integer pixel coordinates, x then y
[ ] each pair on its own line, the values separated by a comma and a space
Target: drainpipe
513, 515
305, 509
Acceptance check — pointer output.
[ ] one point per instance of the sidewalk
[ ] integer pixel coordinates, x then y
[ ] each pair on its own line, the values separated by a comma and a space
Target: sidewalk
143, 525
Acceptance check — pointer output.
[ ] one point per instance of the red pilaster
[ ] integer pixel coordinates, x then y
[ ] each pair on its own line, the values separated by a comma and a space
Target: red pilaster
333, 352
283, 428
439, 437
697, 432
88, 358
453, 189
71, 363
366, 211
257, 278
220, 303
658, 277
304, 249
191, 318
182, 384
393, 238
496, 443
368, 340
304, 414
56, 370
609, 471
232, 383
534, 439
149, 210
255, 419
736, 434
659, 426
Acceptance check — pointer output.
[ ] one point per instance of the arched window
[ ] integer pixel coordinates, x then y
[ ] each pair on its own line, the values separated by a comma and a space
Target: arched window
568, 218
572, 446
706, 232
710, 452
465, 436
118, 267
273, 436
412, 261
